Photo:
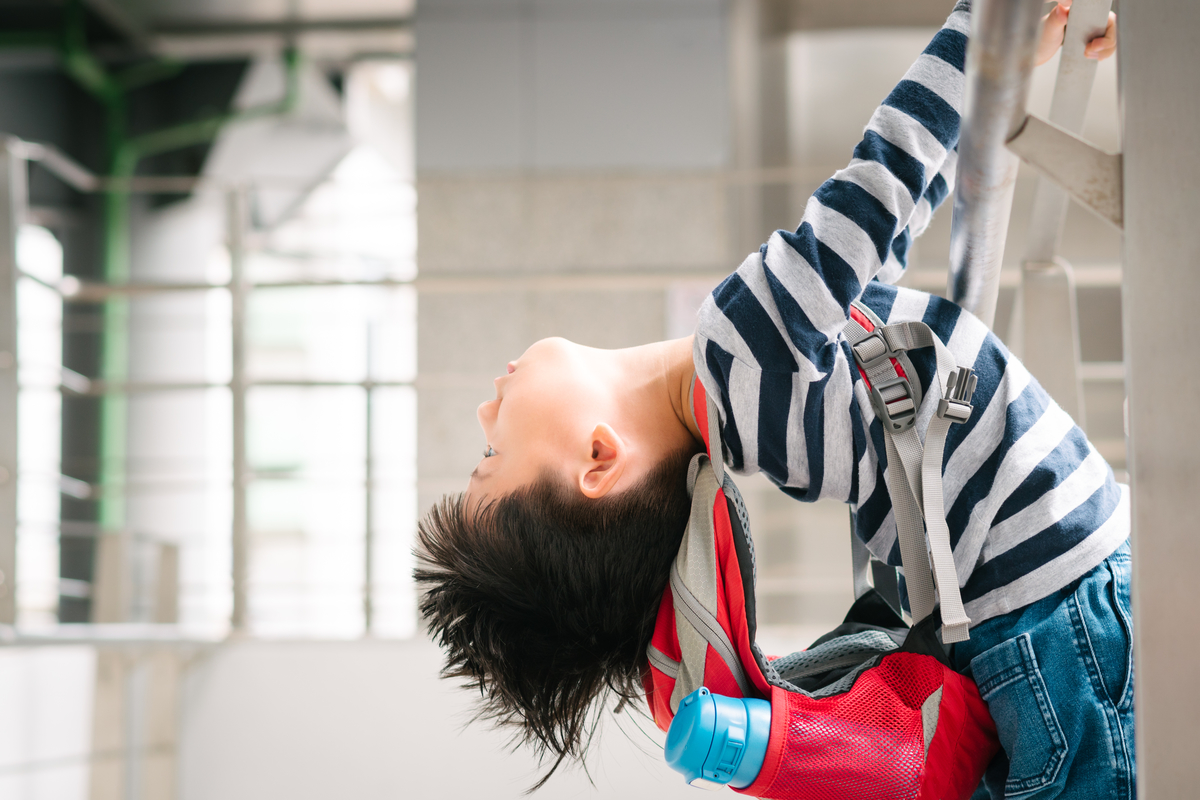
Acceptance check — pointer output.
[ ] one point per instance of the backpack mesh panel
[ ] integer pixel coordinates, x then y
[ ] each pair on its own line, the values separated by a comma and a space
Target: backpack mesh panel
839, 652
865, 745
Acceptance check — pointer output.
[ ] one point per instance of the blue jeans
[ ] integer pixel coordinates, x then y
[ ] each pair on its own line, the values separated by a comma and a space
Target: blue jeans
1057, 676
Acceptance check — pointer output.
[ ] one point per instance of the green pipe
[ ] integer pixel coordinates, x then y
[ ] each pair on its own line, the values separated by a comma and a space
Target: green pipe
124, 155
94, 78
127, 154
149, 72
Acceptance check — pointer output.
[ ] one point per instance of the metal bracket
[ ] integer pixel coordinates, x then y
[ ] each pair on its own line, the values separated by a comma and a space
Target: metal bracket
1084, 171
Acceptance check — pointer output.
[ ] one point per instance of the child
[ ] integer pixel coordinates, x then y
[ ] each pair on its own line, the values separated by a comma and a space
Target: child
543, 580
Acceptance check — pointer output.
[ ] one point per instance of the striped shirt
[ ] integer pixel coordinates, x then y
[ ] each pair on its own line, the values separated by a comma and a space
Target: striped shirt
1031, 505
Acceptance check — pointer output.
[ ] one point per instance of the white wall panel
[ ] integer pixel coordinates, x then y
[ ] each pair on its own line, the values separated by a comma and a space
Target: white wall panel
46, 723
371, 721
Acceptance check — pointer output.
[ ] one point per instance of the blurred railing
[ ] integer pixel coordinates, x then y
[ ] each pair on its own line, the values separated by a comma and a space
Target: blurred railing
115, 557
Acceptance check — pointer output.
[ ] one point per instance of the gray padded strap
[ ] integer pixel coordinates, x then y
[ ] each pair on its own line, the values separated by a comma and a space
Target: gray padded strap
914, 472
909, 530
955, 624
694, 589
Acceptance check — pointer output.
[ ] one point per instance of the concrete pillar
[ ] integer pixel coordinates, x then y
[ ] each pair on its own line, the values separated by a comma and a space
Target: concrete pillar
1159, 63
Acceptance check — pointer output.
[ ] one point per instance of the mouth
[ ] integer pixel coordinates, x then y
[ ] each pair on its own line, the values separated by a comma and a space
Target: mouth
512, 367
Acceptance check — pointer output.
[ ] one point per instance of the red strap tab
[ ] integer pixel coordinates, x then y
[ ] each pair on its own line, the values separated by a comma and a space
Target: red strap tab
861, 319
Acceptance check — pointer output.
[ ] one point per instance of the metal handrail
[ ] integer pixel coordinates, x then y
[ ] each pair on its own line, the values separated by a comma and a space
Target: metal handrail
239, 285
1004, 35
107, 634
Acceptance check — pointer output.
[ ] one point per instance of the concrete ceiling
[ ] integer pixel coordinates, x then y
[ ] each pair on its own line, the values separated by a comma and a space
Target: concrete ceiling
205, 15
342, 29
323, 29
797, 15
179, 14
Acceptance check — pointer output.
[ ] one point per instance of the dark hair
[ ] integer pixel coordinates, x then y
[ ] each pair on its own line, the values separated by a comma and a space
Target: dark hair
545, 600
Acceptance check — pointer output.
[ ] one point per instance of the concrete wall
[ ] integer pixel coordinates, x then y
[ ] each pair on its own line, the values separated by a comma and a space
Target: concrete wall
564, 157
370, 721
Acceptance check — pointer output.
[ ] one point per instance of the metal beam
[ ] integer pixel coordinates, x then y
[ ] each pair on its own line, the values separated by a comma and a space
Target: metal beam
246, 27
1004, 36
1158, 66
59, 164
130, 635
117, 16
103, 388
13, 198
1073, 166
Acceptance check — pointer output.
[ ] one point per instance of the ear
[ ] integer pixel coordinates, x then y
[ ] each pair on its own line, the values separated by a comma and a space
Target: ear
605, 463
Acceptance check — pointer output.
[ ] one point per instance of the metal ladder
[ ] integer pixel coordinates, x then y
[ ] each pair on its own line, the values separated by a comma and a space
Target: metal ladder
996, 131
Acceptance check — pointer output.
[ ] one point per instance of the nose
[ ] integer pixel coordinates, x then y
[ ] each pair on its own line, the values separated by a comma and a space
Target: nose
486, 413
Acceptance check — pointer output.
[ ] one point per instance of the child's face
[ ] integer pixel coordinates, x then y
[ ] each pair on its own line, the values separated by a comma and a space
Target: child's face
544, 408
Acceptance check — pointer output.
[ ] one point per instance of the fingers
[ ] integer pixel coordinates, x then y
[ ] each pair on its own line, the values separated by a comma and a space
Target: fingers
1104, 46
1054, 25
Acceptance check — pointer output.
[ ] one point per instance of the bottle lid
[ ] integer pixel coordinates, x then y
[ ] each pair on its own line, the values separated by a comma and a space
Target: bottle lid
716, 740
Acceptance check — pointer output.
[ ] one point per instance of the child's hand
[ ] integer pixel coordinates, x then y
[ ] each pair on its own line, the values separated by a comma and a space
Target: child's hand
1104, 46
1054, 25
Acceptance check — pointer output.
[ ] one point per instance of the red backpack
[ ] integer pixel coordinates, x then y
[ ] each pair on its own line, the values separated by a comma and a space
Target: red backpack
871, 710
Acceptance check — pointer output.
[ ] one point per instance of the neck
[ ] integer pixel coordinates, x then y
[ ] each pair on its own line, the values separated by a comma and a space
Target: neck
655, 382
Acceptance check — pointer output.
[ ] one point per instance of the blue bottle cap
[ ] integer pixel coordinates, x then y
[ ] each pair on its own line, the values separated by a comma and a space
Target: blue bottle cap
716, 740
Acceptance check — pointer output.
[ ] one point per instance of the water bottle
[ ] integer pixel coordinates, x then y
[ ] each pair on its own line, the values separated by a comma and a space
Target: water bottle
716, 740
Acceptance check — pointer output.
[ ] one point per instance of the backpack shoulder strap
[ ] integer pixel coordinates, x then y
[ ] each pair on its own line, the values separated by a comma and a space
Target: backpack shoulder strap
914, 474
696, 592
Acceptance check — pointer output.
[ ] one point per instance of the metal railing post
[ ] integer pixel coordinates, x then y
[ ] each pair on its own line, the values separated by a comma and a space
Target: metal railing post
1004, 36
237, 211
13, 199
369, 493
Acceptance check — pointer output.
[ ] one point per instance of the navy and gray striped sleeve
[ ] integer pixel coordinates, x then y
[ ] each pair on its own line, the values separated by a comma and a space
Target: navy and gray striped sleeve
767, 341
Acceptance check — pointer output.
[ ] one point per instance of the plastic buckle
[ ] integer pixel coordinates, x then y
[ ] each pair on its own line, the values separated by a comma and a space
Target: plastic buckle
960, 388
897, 410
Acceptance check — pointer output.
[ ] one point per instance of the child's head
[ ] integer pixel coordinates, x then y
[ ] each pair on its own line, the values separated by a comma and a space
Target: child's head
542, 582
600, 420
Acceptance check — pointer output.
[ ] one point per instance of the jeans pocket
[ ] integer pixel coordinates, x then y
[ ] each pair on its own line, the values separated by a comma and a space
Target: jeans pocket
1118, 591
1011, 683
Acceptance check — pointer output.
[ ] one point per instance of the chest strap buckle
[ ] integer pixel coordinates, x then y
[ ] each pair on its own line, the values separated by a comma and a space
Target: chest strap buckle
960, 387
